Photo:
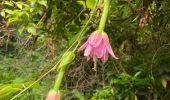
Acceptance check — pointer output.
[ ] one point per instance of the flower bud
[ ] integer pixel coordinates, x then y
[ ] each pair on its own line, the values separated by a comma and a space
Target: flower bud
53, 95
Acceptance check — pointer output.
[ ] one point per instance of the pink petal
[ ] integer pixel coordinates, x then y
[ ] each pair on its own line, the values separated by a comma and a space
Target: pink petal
88, 50
92, 37
111, 52
95, 39
83, 46
99, 51
97, 45
105, 56
53, 95
109, 48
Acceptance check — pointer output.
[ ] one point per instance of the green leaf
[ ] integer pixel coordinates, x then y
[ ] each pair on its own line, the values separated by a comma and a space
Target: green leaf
19, 5
32, 3
89, 3
7, 91
31, 29
72, 39
2, 13
79, 95
163, 81
137, 74
11, 21
21, 29
42, 2
81, 2
8, 11
27, 7
9, 3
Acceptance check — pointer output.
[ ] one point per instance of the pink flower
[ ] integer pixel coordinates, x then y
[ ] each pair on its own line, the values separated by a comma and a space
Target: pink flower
53, 95
97, 45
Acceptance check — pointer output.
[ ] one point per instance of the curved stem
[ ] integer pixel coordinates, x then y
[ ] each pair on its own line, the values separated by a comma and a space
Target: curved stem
104, 15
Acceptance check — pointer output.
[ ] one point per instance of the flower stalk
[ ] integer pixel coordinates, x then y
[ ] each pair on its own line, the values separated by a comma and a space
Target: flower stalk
67, 59
59, 79
104, 16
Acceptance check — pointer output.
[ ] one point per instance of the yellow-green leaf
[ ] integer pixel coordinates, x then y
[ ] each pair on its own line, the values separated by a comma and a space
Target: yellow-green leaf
7, 91
19, 5
3, 14
163, 81
21, 29
9, 3
42, 2
89, 3
31, 28
8, 11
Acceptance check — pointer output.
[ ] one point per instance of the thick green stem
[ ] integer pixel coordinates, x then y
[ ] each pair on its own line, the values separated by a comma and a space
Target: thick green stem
59, 79
67, 59
104, 15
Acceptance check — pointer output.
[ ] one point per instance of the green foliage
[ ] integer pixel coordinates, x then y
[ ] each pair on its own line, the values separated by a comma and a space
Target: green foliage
105, 93
127, 87
25, 14
7, 90
124, 87
34, 34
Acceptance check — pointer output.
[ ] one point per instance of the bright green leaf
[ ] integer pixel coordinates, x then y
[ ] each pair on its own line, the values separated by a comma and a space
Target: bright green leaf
137, 74
42, 2
32, 30
19, 5
89, 3
21, 29
163, 81
9, 3
11, 21
7, 91
8, 11
3, 14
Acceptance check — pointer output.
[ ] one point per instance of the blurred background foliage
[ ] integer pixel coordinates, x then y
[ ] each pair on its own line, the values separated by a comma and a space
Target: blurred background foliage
34, 33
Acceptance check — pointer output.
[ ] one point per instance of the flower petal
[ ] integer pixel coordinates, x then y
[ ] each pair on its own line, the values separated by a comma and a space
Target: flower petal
53, 95
95, 39
105, 56
99, 50
88, 50
83, 46
109, 48
97, 45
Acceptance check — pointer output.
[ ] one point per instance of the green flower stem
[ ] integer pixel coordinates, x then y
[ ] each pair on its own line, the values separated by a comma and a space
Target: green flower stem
104, 15
59, 80
67, 59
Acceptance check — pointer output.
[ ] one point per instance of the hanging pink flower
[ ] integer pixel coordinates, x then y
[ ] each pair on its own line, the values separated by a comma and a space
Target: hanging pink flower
97, 45
53, 95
